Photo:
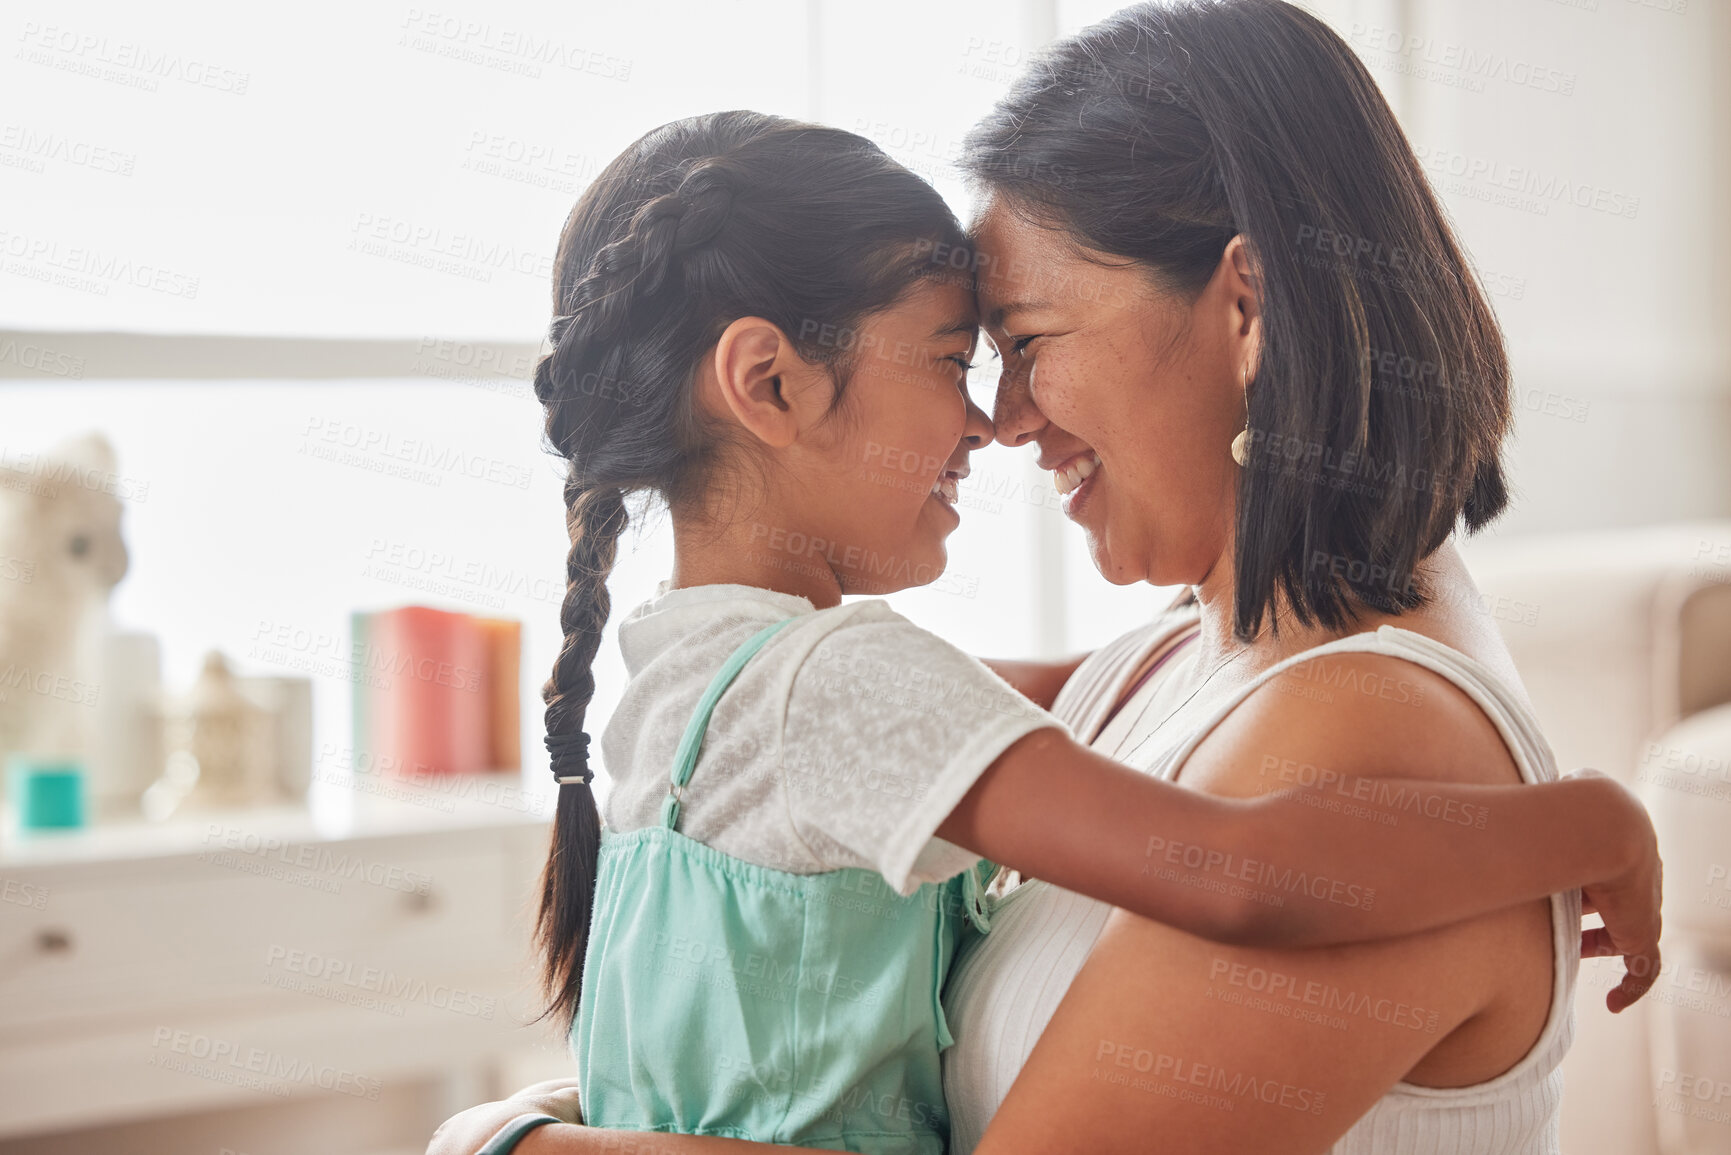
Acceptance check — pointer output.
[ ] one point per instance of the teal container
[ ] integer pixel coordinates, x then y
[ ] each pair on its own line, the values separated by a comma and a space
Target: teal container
48, 793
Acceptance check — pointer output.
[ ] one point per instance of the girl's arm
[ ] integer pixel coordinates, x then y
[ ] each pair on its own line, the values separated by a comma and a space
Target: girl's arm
1039, 682
1319, 865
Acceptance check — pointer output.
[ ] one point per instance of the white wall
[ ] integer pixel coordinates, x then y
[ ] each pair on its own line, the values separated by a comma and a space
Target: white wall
1624, 314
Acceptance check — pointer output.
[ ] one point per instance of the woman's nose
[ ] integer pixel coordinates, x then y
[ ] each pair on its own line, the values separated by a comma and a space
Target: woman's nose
1016, 420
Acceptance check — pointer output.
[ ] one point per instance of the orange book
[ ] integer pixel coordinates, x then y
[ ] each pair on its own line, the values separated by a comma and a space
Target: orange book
505, 709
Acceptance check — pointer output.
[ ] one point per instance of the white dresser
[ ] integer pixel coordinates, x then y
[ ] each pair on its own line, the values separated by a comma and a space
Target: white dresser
336, 978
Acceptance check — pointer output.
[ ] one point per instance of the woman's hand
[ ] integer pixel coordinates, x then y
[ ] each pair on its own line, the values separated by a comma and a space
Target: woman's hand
1629, 904
465, 1132
556, 1097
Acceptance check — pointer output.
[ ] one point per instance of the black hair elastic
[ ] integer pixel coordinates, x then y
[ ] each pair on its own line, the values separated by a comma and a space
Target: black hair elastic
570, 757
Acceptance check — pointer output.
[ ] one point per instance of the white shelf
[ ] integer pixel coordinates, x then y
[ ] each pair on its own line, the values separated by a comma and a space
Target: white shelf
372, 807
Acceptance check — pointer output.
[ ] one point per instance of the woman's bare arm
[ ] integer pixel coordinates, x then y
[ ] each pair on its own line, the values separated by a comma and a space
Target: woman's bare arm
1238, 1050
1286, 869
564, 1139
467, 1131
1161, 1036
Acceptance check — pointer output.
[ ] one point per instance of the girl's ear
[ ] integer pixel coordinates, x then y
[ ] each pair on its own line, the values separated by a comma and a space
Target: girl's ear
762, 380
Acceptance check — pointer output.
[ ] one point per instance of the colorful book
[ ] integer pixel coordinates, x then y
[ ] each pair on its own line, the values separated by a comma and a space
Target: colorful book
504, 637
435, 692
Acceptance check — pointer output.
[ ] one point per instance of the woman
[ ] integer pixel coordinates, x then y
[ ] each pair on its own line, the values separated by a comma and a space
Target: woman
1236, 326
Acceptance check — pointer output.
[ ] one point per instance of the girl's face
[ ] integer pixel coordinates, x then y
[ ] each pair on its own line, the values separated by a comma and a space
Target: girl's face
1126, 389
886, 482
851, 499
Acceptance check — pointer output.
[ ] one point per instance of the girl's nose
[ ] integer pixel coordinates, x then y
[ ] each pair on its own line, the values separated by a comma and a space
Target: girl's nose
1016, 419
977, 432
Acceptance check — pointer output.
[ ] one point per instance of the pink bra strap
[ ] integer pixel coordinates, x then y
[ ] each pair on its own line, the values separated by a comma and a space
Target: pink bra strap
1142, 681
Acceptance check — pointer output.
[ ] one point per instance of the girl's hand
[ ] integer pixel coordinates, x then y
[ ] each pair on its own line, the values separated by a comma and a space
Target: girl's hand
465, 1132
1629, 904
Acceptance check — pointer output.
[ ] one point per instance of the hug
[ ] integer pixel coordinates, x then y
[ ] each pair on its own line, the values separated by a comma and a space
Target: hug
854, 889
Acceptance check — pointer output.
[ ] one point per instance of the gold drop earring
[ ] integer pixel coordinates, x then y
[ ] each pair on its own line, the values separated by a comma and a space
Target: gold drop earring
1241, 443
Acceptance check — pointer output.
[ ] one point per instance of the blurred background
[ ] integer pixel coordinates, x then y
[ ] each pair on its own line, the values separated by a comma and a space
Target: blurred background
271, 288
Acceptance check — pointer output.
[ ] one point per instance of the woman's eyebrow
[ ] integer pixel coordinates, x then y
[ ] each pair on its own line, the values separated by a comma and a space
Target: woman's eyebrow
962, 324
996, 319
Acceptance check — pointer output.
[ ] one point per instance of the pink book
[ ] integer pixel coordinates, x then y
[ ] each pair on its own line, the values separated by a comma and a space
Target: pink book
431, 692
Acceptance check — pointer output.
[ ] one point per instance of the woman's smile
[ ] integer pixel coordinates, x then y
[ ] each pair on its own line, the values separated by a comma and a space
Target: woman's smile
1075, 479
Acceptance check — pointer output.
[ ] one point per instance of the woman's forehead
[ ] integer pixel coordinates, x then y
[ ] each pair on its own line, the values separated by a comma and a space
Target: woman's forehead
1014, 252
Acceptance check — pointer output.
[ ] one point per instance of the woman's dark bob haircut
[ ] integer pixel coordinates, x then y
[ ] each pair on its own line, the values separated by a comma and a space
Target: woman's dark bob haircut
1381, 396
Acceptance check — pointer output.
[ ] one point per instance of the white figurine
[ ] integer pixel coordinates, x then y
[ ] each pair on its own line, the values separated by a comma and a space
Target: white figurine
61, 554
227, 736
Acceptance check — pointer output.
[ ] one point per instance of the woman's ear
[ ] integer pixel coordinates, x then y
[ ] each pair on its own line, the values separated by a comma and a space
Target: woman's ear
761, 379
1244, 291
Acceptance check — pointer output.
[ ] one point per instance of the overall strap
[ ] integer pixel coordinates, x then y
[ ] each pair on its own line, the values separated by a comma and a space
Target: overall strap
976, 904
685, 760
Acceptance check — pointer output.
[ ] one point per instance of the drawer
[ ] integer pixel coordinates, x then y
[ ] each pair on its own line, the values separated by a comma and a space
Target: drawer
369, 923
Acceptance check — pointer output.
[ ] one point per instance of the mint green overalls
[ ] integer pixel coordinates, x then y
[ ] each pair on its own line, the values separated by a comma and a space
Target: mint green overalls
725, 998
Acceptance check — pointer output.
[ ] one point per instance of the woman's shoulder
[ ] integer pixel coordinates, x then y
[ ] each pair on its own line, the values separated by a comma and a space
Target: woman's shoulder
1388, 702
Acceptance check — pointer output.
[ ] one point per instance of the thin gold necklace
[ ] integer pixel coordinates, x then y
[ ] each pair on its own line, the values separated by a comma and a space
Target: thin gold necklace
1126, 758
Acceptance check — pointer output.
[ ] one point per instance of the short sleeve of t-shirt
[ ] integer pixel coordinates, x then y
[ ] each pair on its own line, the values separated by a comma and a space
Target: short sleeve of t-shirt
887, 727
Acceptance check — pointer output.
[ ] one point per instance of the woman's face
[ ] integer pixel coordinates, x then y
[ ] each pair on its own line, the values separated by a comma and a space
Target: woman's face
1107, 373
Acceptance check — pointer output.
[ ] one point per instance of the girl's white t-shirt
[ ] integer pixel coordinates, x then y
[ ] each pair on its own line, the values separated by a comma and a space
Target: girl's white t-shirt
844, 742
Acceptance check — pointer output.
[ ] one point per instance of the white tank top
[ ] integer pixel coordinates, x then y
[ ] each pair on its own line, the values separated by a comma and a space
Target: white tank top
1006, 987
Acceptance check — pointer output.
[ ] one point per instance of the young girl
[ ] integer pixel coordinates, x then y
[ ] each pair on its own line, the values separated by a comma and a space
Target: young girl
762, 322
